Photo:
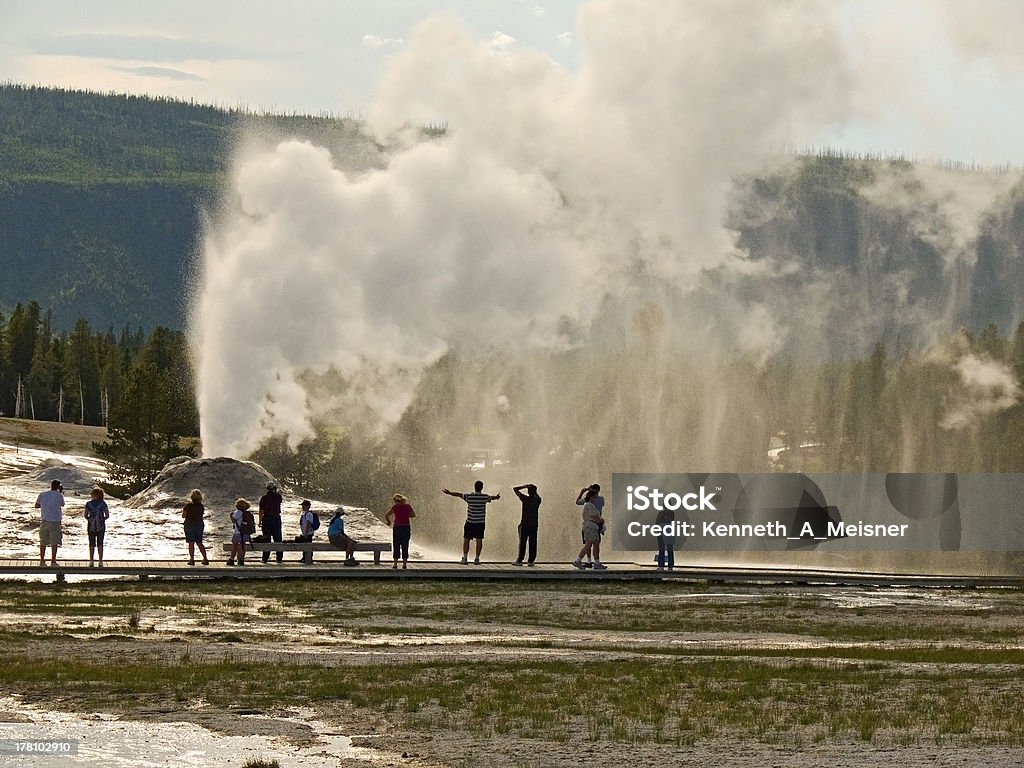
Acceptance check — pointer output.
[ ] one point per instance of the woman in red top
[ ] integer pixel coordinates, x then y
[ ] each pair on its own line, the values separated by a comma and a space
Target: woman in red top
398, 518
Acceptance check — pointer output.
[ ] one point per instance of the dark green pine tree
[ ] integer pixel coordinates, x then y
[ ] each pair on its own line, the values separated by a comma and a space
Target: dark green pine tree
155, 411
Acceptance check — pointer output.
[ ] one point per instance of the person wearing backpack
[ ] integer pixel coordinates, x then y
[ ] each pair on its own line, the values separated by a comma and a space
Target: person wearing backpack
243, 525
309, 521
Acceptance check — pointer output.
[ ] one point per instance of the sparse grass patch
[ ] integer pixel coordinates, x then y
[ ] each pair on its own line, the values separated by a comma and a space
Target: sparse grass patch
930, 674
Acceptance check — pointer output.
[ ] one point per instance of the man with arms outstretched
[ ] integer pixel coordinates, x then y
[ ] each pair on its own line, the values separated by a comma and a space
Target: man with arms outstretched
476, 516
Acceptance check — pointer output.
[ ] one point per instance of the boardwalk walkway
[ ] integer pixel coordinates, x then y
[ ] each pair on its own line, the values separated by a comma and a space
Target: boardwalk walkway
617, 571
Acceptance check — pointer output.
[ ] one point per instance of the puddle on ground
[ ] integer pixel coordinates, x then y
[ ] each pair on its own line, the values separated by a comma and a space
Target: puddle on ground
110, 742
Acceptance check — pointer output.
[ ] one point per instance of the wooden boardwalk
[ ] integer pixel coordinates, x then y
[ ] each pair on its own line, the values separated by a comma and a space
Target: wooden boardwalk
491, 571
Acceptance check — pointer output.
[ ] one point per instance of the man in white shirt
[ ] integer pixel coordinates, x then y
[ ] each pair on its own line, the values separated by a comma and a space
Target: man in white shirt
306, 523
307, 527
51, 506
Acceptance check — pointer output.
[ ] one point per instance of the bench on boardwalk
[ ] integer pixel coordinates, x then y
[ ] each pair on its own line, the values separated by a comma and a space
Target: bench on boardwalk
307, 548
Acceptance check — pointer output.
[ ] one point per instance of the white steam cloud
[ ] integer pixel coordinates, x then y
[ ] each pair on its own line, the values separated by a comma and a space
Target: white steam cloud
551, 193
987, 387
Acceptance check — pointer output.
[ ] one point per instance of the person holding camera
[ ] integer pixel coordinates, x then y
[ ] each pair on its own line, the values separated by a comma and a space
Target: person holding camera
593, 524
51, 506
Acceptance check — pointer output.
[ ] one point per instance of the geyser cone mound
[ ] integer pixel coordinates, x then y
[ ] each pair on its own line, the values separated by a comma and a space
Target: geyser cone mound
222, 480
76, 481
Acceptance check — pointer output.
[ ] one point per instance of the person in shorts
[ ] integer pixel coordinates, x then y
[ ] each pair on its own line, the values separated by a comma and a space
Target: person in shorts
96, 514
51, 512
476, 518
192, 514
592, 525
239, 536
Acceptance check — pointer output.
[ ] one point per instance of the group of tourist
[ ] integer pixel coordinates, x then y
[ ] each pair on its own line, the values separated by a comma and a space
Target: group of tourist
243, 527
51, 512
398, 517
589, 498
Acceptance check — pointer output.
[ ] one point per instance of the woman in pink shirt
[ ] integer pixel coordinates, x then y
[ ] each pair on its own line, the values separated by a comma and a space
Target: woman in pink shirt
398, 518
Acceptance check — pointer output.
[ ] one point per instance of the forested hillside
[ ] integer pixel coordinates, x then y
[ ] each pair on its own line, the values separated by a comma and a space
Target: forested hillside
101, 197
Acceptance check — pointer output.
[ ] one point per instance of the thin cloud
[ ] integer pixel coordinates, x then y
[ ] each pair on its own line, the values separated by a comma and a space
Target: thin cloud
501, 42
376, 41
164, 72
135, 48
565, 39
537, 10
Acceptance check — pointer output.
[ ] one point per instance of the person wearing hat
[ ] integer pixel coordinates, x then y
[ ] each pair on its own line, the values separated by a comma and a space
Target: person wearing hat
241, 523
336, 535
51, 511
270, 518
309, 521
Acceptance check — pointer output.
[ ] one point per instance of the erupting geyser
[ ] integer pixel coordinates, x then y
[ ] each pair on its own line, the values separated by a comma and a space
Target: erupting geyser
618, 252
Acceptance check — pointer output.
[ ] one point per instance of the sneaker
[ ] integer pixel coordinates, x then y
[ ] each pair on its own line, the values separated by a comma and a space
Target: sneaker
464, 561
578, 564
92, 564
231, 562
42, 563
518, 562
395, 566
530, 564
598, 566
53, 563
477, 561
205, 561
100, 564
190, 562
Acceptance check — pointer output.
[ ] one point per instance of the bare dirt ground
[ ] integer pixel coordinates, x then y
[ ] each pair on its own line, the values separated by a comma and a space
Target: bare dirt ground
514, 674
59, 438
750, 670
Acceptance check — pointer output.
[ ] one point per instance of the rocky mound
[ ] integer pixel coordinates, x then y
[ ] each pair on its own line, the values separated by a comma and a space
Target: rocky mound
75, 480
222, 480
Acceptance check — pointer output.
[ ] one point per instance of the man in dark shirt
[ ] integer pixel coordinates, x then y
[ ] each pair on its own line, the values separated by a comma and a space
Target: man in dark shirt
270, 518
529, 522
476, 516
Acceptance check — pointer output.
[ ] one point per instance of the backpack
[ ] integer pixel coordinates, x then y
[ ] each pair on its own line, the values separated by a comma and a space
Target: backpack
316, 520
248, 523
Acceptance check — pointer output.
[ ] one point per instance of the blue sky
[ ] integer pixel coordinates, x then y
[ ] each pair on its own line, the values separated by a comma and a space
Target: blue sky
936, 78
